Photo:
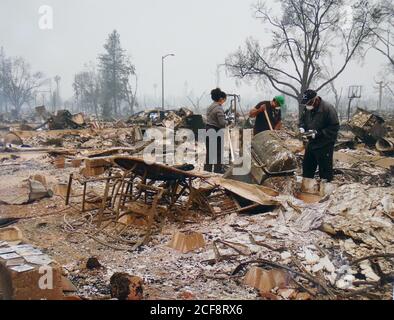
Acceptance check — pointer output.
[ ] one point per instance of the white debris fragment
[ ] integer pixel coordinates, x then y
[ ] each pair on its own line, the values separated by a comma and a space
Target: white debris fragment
349, 245
217, 210
311, 247
327, 264
310, 257
368, 272
243, 224
324, 264
232, 218
226, 229
285, 255
282, 229
346, 282
317, 267
387, 203
332, 278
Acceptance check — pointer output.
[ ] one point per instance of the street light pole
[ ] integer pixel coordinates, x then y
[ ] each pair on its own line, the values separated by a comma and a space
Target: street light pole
162, 83
162, 78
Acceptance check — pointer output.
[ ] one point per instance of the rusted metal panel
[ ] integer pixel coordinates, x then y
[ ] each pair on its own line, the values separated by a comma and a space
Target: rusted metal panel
367, 126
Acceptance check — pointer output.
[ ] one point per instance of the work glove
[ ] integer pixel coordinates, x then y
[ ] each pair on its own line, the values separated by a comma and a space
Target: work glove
310, 135
313, 134
302, 130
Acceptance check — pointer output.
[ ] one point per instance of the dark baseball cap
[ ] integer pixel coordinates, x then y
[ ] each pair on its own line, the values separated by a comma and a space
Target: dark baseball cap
308, 96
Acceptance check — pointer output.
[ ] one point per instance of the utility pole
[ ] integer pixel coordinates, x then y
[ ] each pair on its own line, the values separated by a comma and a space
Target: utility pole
162, 78
380, 84
4, 100
155, 88
49, 80
57, 95
354, 93
218, 74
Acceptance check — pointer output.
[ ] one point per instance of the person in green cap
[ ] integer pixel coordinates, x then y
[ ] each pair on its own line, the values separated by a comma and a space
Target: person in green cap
268, 115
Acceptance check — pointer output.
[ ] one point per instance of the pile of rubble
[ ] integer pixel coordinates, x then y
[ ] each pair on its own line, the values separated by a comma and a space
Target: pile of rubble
182, 118
122, 228
293, 252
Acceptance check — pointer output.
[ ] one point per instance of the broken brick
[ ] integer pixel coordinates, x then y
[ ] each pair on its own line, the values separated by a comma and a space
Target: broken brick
11, 234
133, 220
266, 280
26, 285
76, 163
97, 163
60, 162
187, 241
126, 287
303, 296
61, 189
92, 172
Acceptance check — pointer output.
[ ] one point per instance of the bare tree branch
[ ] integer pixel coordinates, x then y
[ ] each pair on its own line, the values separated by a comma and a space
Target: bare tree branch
304, 34
18, 83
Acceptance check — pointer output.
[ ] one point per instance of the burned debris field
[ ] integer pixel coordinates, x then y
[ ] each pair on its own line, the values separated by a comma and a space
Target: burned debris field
101, 215
199, 151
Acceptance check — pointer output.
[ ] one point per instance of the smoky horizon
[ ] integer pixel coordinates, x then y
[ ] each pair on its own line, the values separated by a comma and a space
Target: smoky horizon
202, 36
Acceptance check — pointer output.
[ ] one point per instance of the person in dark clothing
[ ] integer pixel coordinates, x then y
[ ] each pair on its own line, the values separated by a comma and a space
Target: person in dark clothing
321, 118
270, 110
215, 121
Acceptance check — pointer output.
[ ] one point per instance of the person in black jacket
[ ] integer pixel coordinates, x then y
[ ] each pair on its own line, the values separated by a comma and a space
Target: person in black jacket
321, 118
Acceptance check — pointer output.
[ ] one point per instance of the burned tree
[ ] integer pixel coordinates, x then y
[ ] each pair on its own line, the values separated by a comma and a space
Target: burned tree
337, 95
327, 72
3, 99
87, 89
383, 40
130, 93
304, 34
18, 84
116, 69
197, 101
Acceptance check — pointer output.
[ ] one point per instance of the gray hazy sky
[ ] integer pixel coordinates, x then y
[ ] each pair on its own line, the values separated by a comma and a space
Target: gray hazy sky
200, 32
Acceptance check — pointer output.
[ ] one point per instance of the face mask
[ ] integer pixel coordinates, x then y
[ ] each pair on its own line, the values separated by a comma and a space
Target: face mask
310, 107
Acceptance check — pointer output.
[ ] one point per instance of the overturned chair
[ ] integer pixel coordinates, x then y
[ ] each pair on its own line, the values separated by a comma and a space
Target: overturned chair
136, 190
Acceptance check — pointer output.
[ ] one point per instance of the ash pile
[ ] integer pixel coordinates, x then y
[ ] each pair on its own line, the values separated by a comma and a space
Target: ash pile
86, 197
